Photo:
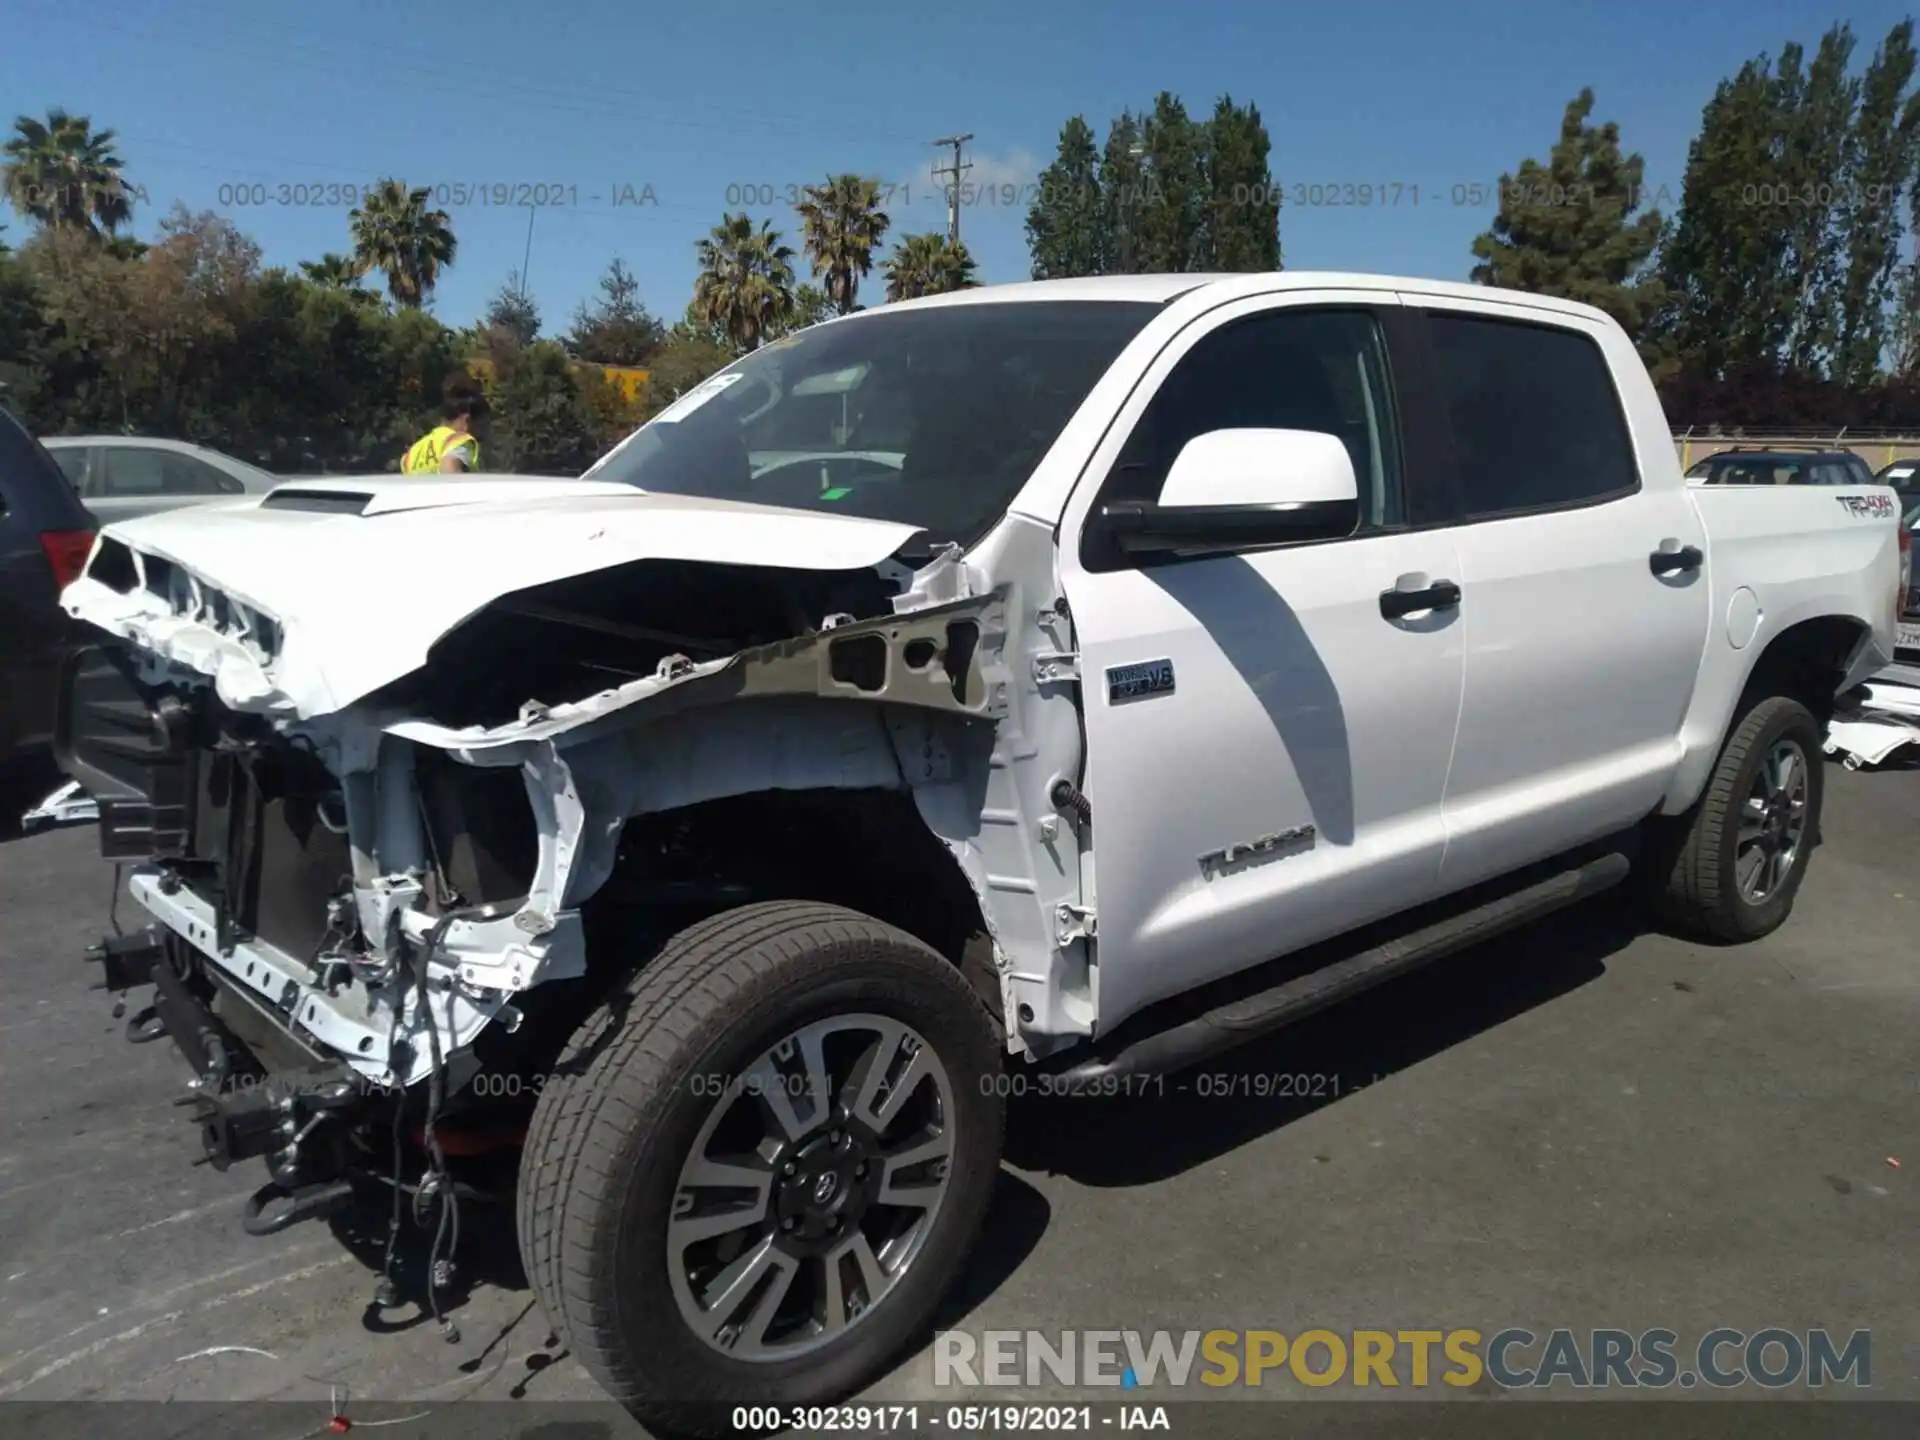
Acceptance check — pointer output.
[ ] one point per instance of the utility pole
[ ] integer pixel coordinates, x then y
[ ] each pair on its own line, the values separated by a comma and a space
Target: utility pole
953, 191
527, 257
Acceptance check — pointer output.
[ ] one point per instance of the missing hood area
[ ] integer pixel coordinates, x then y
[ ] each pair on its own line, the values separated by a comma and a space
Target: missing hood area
583, 646
565, 648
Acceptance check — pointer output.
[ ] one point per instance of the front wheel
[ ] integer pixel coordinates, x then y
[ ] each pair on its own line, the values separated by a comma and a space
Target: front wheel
1744, 850
757, 1171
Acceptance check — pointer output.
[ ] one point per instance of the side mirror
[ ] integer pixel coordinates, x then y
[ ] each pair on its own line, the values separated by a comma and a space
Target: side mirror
1243, 489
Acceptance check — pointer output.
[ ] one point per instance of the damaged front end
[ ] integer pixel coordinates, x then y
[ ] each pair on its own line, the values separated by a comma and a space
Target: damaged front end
422, 892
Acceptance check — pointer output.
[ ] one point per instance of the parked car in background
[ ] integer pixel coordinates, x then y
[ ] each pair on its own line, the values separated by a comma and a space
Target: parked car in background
121, 476
45, 538
1780, 465
1907, 642
1904, 477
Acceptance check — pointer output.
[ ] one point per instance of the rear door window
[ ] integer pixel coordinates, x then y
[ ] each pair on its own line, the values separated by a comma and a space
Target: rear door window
1537, 424
132, 471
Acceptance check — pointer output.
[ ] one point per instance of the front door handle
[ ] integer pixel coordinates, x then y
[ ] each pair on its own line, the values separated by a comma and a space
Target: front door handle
1665, 562
1440, 595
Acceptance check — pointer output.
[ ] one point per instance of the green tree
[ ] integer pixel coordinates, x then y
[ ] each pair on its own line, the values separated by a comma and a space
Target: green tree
615, 416
810, 307
62, 172
1127, 189
841, 225
928, 264
146, 343
396, 233
745, 284
1816, 110
512, 312
22, 338
543, 422
617, 330
688, 357
1880, 167
1242, 201
1568, 227
694, 325
1781, 256
1172, 225
1723, 267
1064, 223
338, 272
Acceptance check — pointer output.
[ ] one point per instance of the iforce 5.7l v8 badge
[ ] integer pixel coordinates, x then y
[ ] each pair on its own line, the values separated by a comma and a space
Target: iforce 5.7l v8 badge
1137, 682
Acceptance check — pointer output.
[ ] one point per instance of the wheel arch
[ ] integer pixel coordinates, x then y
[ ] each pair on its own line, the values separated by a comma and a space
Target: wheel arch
790, 798
866, 849
1810, 661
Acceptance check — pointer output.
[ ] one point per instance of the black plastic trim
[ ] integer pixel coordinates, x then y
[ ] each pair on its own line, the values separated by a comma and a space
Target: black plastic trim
323, 502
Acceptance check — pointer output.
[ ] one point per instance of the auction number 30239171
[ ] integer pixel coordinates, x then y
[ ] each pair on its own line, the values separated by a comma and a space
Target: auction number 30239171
959, 1419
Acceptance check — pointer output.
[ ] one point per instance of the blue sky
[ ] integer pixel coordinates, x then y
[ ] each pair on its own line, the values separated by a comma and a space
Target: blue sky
641, 121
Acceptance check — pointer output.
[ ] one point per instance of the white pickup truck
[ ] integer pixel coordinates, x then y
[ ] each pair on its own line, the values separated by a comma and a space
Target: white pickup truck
1048, 680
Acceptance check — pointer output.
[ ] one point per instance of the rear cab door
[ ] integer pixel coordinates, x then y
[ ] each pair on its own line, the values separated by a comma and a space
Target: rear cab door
1586, 585
1233, 698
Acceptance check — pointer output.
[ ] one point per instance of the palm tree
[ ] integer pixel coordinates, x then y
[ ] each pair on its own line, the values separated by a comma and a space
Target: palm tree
331, 271
745, 285
65, 174
842, 222
928, 264
395, 232
340, 273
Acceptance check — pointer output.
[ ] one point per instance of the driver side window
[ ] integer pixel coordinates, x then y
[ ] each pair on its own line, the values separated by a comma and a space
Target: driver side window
1293, 369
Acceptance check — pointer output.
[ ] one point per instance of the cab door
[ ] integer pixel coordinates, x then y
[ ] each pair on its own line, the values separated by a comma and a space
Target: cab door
1268, 732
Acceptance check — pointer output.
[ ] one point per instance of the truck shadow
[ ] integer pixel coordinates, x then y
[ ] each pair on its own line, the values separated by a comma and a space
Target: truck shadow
1144, 1137
1165, 1127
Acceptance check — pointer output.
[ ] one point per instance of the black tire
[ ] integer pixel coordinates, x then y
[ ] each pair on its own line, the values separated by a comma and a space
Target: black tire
1702, 895
620, 1115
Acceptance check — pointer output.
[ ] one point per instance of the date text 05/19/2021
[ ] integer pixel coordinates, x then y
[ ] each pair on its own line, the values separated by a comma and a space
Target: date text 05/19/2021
959, 1419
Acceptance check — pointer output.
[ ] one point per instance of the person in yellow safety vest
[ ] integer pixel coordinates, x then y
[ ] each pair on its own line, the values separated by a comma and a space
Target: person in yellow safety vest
453, 446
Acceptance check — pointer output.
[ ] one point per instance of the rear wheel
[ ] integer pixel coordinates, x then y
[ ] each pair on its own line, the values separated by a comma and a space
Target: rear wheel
1743, 851
756, 1172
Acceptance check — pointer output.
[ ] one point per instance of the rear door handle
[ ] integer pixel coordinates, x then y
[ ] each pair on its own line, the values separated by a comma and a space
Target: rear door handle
1665, 562
1440, 595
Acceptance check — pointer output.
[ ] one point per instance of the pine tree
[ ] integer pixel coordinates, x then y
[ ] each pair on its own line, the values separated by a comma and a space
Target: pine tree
1243, 202
1723, 268
1173, 222
1123, 197
1568, 227
1881, 155
1064, 221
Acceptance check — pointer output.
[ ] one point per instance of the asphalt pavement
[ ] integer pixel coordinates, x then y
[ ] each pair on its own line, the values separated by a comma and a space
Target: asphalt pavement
1578, 1125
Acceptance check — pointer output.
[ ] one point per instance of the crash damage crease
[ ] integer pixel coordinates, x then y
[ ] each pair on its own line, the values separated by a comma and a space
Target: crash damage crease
937, 713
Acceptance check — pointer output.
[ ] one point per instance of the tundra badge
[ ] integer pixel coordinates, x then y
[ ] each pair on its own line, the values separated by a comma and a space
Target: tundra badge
1136, 682
1299, 837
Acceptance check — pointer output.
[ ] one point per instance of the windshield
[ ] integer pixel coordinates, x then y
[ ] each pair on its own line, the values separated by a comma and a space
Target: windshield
934, 417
